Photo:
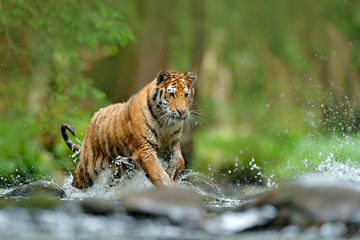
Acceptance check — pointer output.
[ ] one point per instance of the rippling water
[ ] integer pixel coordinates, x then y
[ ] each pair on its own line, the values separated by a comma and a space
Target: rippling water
69, 222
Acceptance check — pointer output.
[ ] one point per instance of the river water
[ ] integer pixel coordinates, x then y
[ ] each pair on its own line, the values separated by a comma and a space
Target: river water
68, 222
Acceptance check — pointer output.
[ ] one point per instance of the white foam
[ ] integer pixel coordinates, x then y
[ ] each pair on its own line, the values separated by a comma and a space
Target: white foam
104, 190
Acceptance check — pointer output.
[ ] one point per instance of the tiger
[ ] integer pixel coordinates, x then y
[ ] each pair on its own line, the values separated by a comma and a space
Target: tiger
146, 130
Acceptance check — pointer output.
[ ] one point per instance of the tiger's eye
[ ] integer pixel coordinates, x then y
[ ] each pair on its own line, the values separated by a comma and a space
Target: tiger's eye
171, 94
186, 95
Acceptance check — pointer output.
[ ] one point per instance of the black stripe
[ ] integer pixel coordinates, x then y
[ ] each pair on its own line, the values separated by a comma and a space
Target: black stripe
153, 145
166, 85
112, 129
152, 129
94, 155
125, 147
156, 94
128, 113
174, 142
75, 182
176, 132
119, 151
119, 141
150, 109
110, 161
113, 151
107, 146
129, 150
82, 173
102, 166
161, 93
89, 179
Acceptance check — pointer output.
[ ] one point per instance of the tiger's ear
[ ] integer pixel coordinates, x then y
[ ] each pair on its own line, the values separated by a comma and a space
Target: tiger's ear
162, 76
191, 77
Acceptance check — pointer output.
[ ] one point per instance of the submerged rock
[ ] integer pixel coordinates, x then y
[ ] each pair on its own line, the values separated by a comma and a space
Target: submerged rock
308, 205
333, 209
230, 222
37, 188
98, 207
178, 205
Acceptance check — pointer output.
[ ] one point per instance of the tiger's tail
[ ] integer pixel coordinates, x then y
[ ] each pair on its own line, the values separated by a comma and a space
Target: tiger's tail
68, 141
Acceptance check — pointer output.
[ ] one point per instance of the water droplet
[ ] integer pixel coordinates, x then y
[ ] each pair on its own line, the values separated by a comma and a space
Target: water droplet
306, 162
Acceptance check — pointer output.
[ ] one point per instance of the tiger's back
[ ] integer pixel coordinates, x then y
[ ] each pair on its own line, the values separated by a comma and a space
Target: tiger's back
99, 147
146, 128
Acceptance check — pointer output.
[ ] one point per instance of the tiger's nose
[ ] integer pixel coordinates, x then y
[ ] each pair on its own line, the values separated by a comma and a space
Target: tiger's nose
180, 111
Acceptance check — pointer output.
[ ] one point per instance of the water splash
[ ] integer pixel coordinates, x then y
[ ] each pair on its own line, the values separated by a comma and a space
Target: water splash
333, 171
103, 189
205, 186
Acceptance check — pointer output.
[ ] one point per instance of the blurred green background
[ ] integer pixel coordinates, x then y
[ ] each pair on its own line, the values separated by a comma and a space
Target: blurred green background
278, 85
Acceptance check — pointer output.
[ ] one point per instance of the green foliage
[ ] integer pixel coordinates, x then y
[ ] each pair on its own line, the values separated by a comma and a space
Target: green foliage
46, 45
22, 158
226, 154
279, 83
68, 23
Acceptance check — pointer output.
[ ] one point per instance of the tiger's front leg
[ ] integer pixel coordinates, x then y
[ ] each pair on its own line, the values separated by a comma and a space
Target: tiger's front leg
177, 164
148, 161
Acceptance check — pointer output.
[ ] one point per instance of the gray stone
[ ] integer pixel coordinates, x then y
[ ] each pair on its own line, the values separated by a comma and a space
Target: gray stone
99, 207
178, 205
37, 188
306, 205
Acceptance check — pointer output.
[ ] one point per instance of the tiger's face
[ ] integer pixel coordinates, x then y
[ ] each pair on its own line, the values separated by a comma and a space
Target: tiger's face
173, 95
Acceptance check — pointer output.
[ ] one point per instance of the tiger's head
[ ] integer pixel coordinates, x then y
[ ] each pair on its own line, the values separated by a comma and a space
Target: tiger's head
173, 95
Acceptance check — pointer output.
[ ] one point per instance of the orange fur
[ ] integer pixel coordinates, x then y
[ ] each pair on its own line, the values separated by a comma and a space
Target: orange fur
145, 129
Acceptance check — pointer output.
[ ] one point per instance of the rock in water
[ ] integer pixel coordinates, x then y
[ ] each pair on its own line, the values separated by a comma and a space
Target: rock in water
334, 208
306, 205
177, 205
37, 188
